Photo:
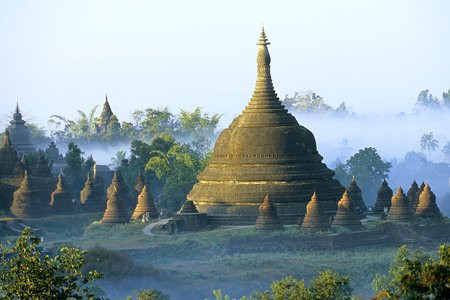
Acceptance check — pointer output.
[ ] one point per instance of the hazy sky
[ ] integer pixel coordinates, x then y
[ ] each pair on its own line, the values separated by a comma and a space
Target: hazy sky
60, 56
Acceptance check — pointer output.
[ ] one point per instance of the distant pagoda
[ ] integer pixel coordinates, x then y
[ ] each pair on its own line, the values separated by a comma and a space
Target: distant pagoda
145, 205
267, 217
263, 151
8, 156
412, 193
106, 120
417, 196
27, 202
315, 219
346, 215
400, 210
355, 195
20, 134
427, 207
384, 196
61, 198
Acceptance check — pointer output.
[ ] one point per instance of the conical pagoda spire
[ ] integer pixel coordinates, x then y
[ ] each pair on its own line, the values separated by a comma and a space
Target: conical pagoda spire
315, 219
26, 200
384, 196
106, 111
145, 205
346, 215
355, 195
61, 198
417, 196
268, 217
427, 207
264, 95
115, 207
400, 209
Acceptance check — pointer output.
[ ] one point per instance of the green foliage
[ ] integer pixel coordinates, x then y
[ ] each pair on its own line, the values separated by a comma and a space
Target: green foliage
428, 142
38, 134
416, 276
310, 102
25, 273
368, 168
77, 167
150, 294
328, 285
178, 169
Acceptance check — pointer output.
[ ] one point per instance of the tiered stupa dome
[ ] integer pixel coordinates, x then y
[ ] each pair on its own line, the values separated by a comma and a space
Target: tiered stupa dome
400, 210
263, 151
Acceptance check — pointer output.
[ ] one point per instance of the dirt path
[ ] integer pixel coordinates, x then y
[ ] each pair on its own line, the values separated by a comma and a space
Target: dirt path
148, 229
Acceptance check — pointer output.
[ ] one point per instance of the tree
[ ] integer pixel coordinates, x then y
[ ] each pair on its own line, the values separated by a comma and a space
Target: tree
150, 294
428, 142
119, 158
446, 151
77, 167
328, 285
417, 277
426, 99
26, 273
368, 168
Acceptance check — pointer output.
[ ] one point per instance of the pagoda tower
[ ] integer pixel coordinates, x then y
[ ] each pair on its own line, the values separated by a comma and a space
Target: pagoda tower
267, 217
27, 202
355, 195
417, 196
412, 193
315, 219
90, 198
20, 134
188, 208
384, 196
8, 156
346, 215
139, 185
115, 212
427, 207
145, 205
61, 198
400, 210
122, 189
263, 151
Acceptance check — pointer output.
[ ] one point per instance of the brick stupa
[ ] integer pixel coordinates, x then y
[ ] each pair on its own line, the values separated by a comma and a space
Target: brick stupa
61, 198
263, 151
26, 201
145, 205
90, 198
417, 196
412, 194
384, 196
346, 215
267, 217
400, 210
138, 186
122, 189
427, 207
355, 195
315, 219
115, 212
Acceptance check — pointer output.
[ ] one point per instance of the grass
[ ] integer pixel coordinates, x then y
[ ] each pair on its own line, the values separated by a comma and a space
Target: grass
191, 265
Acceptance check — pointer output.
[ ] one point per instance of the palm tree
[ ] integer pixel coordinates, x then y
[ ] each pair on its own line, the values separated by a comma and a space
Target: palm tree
446, 151
428, 142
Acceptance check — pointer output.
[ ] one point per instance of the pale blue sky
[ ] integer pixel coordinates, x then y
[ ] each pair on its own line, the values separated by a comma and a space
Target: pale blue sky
371, 54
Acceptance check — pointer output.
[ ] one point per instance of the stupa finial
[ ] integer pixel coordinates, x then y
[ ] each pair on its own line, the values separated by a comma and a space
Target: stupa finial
263, 38
17, 107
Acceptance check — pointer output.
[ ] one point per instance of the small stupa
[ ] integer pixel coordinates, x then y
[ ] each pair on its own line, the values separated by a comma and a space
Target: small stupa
61, 198
384, 196
122, 189
26, 202
8, 156
139, 185
188, 208
346, 215
315, 219
427, 207
417, 196
99, 185
145, 205
400, 210
412, 193
115, 212
355, 195
267, 217
91, 200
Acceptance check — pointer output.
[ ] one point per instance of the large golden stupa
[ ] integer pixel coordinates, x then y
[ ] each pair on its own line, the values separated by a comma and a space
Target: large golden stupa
264, 151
